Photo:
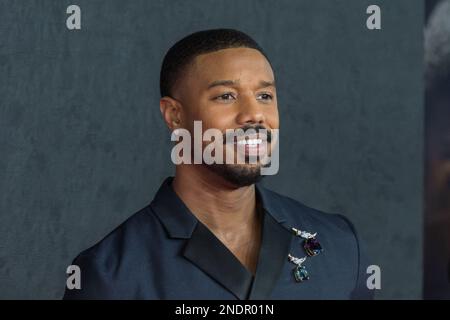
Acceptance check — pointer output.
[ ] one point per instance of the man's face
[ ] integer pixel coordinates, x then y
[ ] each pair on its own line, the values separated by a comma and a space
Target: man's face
230, 89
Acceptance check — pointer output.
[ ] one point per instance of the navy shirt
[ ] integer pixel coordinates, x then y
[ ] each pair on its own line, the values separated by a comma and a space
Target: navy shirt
164, 252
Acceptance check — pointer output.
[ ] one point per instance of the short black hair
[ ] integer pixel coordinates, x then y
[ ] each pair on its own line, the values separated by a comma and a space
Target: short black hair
182, 53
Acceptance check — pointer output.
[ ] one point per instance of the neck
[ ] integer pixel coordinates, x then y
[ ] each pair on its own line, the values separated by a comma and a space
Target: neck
217, 204
228, 211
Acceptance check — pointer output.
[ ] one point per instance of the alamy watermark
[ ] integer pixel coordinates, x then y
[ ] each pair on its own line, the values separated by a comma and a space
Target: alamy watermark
237, 146
374, 279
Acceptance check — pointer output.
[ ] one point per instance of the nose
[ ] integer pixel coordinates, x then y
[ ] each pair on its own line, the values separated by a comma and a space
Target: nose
250, 112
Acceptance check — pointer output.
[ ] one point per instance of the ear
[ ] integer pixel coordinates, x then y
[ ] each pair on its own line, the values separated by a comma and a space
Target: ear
171, 112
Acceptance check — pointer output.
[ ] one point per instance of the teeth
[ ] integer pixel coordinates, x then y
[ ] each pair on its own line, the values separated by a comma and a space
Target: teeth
250, 141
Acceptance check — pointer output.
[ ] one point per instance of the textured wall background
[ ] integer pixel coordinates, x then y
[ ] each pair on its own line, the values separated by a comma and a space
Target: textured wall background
82, 145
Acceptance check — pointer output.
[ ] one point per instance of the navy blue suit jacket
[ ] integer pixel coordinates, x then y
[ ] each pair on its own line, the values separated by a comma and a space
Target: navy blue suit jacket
164, 252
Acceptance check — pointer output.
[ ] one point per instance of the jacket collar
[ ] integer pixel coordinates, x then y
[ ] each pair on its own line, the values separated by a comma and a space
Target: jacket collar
179, 220
173, 213
205, 251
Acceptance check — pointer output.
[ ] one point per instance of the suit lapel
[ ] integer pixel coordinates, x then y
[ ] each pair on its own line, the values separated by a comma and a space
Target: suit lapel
207, 252
276, 241
203, 248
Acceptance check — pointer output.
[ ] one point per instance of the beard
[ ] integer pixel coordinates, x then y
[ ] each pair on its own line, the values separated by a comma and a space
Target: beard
245, 174
239, 175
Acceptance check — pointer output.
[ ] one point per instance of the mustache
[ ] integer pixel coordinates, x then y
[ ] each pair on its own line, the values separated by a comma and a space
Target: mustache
235, 134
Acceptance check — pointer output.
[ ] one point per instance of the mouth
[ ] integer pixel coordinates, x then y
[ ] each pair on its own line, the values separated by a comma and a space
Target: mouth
252, 147
249, 147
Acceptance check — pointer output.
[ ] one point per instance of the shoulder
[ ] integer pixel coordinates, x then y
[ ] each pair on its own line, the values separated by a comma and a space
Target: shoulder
137, 231
102, 264
299, 215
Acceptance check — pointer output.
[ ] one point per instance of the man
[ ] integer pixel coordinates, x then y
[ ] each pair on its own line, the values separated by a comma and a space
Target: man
212, 232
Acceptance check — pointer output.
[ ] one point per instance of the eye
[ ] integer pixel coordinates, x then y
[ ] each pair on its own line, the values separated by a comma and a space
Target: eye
225, 97
265, 97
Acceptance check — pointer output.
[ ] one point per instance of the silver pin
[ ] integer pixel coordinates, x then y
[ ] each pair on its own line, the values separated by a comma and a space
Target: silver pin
304, 234
295, 260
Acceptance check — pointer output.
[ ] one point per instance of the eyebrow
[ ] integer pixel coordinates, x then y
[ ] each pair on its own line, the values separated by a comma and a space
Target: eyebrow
231, 83
265, 84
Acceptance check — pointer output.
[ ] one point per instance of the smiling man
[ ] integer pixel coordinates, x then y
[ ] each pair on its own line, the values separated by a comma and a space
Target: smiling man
213, 232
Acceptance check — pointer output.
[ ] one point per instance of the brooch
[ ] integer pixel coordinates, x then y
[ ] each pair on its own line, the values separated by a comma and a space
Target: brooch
311, 245
312, 248
300, 272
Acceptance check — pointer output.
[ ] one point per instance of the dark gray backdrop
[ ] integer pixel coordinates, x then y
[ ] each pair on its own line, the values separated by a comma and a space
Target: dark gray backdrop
82, 144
